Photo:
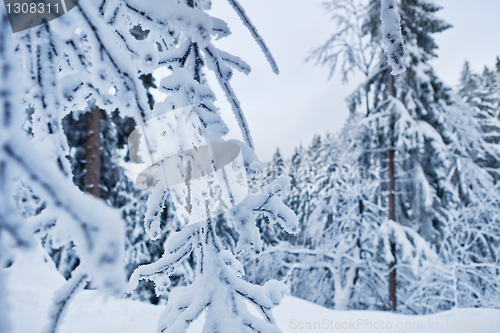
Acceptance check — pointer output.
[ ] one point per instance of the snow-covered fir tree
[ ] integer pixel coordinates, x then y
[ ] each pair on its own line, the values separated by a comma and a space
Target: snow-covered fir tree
216, 286
441, 181
482, 92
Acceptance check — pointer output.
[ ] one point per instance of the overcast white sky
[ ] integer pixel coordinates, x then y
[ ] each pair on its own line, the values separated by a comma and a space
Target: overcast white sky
288, 109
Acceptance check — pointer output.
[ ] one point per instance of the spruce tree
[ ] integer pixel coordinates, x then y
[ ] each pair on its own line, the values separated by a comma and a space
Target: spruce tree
439, 178
434, 157
482, 93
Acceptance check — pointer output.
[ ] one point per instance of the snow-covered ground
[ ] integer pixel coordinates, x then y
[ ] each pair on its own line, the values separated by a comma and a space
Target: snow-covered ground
33, 278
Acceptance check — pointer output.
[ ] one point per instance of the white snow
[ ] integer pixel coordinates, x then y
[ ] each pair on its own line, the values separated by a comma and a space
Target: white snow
32, 279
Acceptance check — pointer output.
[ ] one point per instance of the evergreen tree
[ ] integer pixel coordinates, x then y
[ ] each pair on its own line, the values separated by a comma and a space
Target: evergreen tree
216, 287
436, 170
482, 92
390, 135
440, 174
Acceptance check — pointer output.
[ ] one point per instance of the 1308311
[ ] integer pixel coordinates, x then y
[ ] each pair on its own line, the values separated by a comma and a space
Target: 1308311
32, 8
471, 324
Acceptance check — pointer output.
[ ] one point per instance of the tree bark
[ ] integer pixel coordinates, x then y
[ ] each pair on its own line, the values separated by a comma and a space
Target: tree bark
392, 203
93, 156
93, 152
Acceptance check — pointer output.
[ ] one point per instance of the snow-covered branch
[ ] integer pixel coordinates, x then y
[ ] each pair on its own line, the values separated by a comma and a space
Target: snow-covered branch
391, 30
253, 30
63, 297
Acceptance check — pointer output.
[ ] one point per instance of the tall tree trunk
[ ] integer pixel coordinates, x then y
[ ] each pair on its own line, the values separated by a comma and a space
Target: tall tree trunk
392, 203
93, 152
93, 155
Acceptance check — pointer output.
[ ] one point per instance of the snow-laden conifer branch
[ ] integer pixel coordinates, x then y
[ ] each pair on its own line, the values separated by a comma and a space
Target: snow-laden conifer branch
216, 282
97, 230
63, 297
255, 34
177, 248
12, 230
215, 285
223, 74
198, 28
129, 79
392, 36
182, 92
268, 203
155, 206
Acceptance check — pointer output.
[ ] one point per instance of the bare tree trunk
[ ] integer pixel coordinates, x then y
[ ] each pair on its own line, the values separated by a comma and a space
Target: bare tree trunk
367, 102
93, 155
392, 203
93, 152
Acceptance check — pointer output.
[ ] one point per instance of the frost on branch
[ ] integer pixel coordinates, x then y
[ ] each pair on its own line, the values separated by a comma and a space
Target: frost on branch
391, 30
268, 203
178, 247
217, 286
63, 296
253, 30
155, 206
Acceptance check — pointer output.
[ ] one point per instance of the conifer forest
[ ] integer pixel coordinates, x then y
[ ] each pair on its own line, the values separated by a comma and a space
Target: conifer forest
150, 181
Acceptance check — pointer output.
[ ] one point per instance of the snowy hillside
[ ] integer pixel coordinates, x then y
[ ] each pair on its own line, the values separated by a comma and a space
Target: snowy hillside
33, 278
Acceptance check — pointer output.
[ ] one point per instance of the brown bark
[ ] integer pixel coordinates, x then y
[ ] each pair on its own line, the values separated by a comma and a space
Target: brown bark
392, 203
93, 152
